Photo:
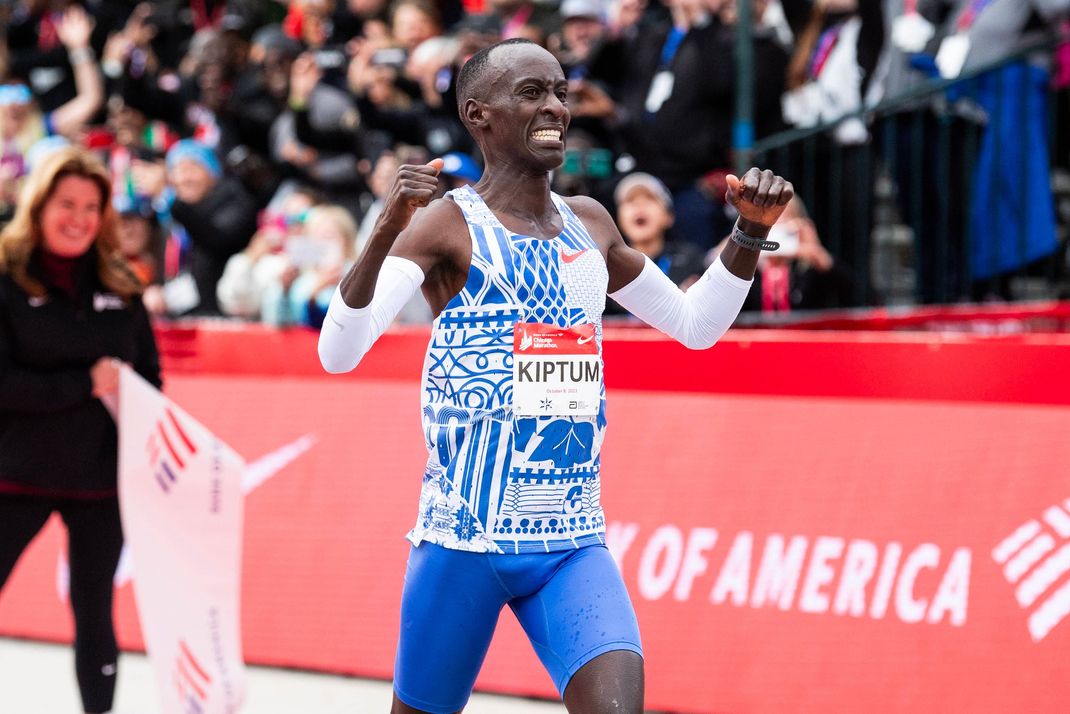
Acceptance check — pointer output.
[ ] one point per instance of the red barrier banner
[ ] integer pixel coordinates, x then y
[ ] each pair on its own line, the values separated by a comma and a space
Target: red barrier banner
784, 553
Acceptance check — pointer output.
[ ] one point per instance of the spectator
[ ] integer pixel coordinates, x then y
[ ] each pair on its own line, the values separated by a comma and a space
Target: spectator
71, 311
673, 91
582, 28
942, 134
1014, 98
413, 22
38, 53
644, 216
310, 22
838, 45
360, 19
216, 217
315, 137
22, 123
384, 109
475, 32
801, 274
432, 67
260, 95
138, 238
316, 262
248, 274
458, 170
197, 101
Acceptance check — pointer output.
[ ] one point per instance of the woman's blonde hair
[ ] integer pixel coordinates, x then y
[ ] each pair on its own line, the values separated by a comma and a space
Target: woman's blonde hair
20, 237
342, 219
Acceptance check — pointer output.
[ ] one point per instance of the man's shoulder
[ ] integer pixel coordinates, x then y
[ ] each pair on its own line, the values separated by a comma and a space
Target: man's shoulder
440, 209
440, 220
594, 217
587, 207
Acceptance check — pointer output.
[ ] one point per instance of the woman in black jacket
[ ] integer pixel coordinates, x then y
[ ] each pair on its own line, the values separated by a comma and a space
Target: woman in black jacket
70, 312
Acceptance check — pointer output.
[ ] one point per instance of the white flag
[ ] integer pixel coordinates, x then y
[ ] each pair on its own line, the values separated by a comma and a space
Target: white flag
181, 500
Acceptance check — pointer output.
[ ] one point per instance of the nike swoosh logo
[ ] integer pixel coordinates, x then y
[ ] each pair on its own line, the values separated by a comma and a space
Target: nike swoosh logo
270, 464
340, 325
584, 340
254, 475
569, 257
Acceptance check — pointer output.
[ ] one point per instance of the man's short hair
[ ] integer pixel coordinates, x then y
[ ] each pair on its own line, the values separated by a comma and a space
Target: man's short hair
471, 74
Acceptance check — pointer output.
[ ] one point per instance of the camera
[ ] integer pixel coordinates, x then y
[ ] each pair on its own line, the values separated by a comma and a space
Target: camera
328, 59
389, 57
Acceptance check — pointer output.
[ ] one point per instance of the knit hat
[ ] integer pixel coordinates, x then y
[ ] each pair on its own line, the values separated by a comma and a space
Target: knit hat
190, 150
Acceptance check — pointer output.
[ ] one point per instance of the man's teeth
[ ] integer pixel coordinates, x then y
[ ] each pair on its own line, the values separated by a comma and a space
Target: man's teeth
547, 135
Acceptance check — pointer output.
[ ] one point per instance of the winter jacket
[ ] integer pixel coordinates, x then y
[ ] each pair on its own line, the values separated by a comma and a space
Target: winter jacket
55, 437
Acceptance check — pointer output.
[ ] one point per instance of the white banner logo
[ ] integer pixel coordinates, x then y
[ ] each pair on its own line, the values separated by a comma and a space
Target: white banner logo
181, 501
1035, 557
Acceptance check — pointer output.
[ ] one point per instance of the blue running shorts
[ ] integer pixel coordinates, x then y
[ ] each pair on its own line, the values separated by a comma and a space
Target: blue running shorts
572, 604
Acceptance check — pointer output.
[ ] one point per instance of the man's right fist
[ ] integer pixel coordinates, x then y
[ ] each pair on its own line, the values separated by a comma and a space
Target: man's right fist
414, 187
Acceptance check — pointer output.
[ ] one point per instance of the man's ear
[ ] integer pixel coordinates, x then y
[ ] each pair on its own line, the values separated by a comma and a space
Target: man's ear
474, 113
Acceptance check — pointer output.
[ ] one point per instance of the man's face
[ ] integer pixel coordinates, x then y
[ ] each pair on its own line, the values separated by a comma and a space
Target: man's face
127, 123
643, 217
526, 107
276, 73
581, 33
191, 180
412, 26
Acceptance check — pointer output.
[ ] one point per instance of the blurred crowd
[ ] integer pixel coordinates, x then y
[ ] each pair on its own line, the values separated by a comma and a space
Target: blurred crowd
250, 142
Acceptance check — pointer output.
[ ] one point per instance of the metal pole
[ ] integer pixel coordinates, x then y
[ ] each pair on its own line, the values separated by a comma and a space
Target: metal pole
743, 128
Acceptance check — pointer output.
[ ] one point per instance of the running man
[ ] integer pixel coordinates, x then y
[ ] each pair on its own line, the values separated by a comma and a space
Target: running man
512, 393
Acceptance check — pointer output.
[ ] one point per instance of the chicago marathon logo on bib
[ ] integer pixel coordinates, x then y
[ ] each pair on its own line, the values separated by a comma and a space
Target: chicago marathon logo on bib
556, 370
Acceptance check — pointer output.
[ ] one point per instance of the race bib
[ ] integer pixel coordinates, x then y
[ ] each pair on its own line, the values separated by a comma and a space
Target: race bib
556, 370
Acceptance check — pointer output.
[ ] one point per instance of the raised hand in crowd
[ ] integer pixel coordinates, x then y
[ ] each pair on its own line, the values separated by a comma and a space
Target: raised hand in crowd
137, 34
587, 99
75, 28
305, 74
74, 32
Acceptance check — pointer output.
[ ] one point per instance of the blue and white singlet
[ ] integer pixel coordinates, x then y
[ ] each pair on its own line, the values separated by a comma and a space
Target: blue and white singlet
494, 482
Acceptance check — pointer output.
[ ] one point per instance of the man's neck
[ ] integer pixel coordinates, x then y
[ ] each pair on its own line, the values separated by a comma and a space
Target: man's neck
508, 192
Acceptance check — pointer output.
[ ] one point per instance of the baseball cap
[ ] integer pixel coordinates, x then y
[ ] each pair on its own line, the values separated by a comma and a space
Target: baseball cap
461, 166
646, 182
581, 8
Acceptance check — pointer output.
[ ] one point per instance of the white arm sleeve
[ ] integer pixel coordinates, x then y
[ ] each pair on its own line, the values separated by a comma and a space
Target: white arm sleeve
348, 333
697, 318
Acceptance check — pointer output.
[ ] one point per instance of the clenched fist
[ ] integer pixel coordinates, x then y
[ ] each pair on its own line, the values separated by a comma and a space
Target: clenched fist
760, 196
414, 187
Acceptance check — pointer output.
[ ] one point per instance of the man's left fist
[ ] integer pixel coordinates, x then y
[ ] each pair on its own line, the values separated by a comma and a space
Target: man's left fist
760, 196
